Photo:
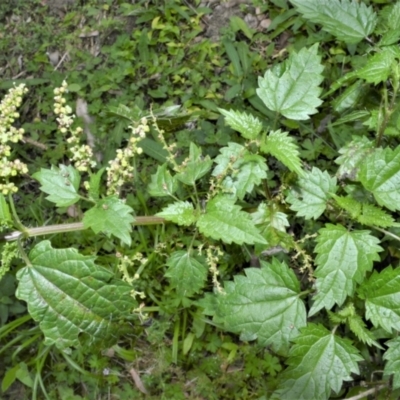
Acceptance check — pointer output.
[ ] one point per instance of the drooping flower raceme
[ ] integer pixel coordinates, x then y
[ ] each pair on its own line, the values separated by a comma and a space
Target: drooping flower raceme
120, 170
81, 155
8, 133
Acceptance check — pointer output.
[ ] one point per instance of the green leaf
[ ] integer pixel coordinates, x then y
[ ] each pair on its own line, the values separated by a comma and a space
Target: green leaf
314, 189
112, 217
238, 24
366, 214
162, 183
246, 124
263, 305
195, 167
94, 184
291, 88
243, 168
382, 298
343, 259
380, 174
318, 362
61, 184
187, 273
225, 221
5, 215
68, 294
353, 153
153, 149
378, 67
349, 21
180, 212
392, 365
284, 148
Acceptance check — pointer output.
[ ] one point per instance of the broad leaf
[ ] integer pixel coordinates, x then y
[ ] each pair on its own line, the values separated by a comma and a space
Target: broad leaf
284, 148
291, 88
5, 214
343, 259
94, 184
378, 67
246, 124
312, 194
112, 217
180, 212
68, 294
223, 220
349, 21
61, 184
318, 362
392, 365
244, 169
195, 167
382, 298
380, 174
263, 305
186, 272
162, 183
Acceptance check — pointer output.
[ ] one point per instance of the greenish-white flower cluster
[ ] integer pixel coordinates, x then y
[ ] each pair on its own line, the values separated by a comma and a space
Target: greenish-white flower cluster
8, 133
120, 170
82, 155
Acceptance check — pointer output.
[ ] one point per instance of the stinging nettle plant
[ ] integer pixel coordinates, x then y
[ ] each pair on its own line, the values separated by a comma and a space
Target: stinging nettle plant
327, 299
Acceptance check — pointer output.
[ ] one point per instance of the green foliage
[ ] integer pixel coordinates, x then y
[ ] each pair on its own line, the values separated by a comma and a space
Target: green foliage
246, 169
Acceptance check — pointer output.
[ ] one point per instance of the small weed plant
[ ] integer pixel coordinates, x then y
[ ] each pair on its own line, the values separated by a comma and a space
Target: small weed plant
310, 224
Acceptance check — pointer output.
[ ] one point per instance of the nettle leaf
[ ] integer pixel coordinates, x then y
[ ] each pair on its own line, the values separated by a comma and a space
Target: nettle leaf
195, 167
244, 169
223, 220
94, 184
180, 212
312, 194
343, 259
112, 217
246, 124
353, 154
263, 305
382, 298
68, 294
378, 67
291, 88
318, 362
366, 214
162, 183
61, 184
380, 174
284, 148
186, 272
392, 365
349, 21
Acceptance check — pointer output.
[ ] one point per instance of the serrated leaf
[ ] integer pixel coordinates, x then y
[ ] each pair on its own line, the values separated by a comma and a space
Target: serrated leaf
284, 148
343, 258
349, 21
318, 362
264, 304
353, 154
162, 183
392, 365
246, 124
292, 88
378, 67
61, 184
112, 217
68, 294
186, 272
312, 194
195, 167
380, 174
180, 212
382, 298
94, 184
223, 220
244, 169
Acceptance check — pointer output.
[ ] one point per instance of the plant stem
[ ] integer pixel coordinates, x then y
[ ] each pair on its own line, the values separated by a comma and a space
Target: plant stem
72, 227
